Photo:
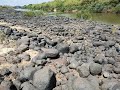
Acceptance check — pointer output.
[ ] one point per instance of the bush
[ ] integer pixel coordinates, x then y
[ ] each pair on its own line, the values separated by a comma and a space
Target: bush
83, 15
33, 13
2, 36
116, 9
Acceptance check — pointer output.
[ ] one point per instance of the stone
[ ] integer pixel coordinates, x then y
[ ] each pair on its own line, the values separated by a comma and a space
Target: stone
95, 69
44, 79
82, 84
51, 53
39, 56
28, 86
8, 85
110, 85
17, 84
24, 40
63, 48
24, 56
73, 48
27, 73
83, 71
22, 48
64, 70
106, 74
73, 65
5, 71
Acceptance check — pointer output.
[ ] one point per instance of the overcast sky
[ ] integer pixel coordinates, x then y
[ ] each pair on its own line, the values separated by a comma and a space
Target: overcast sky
20, 2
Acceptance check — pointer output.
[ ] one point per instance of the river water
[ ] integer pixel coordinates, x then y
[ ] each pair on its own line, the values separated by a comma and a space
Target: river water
108, 18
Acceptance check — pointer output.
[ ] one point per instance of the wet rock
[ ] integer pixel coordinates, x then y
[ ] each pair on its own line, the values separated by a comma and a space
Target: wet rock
44, 79
95, 69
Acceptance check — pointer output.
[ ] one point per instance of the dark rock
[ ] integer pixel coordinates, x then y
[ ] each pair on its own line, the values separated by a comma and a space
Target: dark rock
50, 42
5, 71
17, 84
51, 53
73, 48
27, 73
44, 79
63, 48
95, 69
8, 31
39, 56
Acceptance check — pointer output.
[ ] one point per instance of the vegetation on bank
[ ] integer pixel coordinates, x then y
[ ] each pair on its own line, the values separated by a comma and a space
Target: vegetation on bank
96, 6
33, 13
5, 7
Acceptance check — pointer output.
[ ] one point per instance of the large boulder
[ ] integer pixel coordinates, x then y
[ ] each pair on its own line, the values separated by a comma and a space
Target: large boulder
44, 79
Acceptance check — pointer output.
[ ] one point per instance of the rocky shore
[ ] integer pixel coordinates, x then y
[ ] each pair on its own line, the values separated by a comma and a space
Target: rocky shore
58, 53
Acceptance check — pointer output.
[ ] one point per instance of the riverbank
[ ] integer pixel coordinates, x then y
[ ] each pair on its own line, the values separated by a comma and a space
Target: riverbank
59, 53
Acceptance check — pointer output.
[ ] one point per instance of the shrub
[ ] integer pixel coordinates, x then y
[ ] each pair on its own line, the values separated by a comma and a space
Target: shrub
83, 14
116, 9
2, 36
33, 13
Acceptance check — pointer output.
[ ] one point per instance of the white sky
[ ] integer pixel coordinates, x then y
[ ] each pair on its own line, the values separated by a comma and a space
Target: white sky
21, 2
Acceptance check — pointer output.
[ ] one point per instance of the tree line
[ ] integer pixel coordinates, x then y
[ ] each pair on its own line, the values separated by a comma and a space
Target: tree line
97, 6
